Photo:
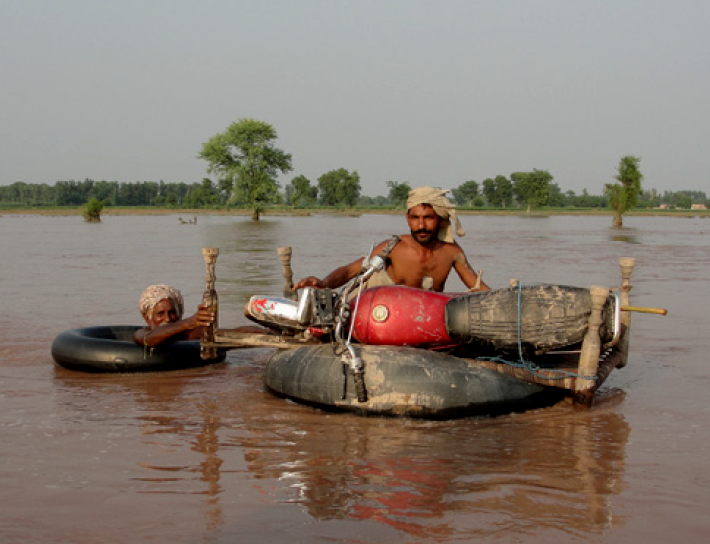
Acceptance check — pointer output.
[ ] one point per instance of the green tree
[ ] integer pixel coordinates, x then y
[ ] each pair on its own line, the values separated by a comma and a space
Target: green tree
490, 192
92, 210
649, 199
203, 195
681, 199
104, 191
505, 191
466, 193
585, 200
379, 201
498, 191
399, 193
245, 157
624, 195
557, 198
130, 194
339, 188
532, 188
68, 193
300, 192
350, 189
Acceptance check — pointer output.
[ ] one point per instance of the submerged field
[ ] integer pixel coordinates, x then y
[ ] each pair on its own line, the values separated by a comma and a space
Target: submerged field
279, 211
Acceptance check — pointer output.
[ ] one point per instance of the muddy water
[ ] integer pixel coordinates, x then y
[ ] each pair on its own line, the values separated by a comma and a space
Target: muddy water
206, 455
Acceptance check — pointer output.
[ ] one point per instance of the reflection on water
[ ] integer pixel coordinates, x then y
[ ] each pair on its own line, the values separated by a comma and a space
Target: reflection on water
207, 455
624, 234
555, 468
626, 238
413, 478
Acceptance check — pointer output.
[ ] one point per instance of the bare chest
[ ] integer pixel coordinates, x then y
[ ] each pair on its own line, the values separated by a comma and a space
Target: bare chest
410, 268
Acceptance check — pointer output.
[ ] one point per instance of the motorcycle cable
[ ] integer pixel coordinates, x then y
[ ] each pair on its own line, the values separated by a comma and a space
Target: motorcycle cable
370, 266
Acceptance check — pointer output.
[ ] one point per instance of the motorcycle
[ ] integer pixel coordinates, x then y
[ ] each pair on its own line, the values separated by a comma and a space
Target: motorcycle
527, 320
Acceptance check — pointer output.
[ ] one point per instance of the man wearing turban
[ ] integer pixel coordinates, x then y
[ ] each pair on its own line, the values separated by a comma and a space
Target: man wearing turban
162, 308
429, 251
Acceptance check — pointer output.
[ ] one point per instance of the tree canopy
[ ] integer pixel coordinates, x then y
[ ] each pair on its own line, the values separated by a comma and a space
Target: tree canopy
532, 188
301, 192
465, 194
498, 191
399, 193
624, 195
339, 188
92, 210
246, 160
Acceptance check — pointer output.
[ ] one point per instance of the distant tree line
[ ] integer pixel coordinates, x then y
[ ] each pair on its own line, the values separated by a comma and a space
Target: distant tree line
246, 163
337, 188
112, 193
673, 199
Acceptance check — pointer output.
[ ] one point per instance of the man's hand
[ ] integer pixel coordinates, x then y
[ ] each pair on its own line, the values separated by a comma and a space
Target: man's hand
204, 317
310, 281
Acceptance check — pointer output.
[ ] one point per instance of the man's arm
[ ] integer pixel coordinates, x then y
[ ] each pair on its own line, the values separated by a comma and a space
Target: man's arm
467, 274
190, 327
339, 276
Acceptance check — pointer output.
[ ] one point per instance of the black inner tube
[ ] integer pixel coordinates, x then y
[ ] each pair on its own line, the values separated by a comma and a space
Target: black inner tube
112, 349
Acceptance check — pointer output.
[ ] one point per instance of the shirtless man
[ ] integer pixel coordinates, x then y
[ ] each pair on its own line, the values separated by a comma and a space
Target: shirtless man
162, 309
430, 250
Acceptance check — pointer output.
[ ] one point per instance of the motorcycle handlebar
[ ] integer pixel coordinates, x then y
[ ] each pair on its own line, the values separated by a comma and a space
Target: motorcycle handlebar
375, 264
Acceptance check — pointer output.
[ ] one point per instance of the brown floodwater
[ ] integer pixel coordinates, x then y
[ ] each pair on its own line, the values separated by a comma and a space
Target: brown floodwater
207, 455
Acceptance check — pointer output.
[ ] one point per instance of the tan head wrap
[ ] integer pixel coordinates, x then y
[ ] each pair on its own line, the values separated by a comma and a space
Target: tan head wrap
436, 198
154, 294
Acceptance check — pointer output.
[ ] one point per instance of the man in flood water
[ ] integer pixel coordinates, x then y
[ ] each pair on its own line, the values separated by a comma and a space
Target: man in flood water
429, 251
162, 309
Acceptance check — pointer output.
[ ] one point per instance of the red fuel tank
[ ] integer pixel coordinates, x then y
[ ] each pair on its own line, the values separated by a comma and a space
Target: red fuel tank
401, 316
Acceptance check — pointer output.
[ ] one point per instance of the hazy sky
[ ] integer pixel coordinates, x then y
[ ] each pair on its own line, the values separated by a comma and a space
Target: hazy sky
424, 92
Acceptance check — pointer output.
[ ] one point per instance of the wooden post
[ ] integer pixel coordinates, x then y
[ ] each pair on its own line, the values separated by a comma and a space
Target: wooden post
208, 350
627, 267
591, 349
285, 256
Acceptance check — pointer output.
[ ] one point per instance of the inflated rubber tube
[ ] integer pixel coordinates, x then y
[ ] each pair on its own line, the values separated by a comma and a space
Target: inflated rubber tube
112, 349
400, 381
541, 317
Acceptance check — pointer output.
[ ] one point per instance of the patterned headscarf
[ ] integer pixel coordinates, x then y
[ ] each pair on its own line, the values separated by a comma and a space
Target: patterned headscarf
436, 198
154, 294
